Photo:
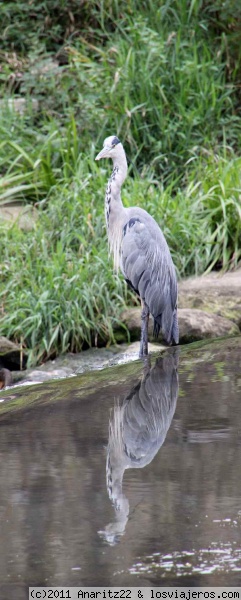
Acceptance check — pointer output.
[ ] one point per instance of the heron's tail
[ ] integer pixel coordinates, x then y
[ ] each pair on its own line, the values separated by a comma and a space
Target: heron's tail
170, 334
175, 329
157, 326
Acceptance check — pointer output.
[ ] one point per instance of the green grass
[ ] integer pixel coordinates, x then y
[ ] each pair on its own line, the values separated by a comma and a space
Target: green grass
58, 292
159, 76
165, 77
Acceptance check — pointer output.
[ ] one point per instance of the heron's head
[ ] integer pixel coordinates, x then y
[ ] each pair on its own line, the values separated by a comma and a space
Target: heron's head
111, 148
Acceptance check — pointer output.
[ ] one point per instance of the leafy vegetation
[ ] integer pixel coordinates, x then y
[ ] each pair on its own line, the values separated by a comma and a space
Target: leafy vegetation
164, 76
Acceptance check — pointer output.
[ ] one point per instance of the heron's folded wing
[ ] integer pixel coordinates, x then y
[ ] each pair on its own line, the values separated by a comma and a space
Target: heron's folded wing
147, 264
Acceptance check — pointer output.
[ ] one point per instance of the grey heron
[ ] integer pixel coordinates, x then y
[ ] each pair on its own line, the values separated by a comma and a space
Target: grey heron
140, 250
137, 430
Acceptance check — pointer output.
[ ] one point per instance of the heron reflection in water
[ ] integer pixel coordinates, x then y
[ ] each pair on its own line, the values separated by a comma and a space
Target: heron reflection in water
137, 430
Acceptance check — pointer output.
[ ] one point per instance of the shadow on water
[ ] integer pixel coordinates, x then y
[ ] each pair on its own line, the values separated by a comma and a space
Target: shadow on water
137, 430
173, 497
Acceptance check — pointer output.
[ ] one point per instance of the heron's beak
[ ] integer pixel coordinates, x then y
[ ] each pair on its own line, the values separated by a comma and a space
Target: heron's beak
103, 153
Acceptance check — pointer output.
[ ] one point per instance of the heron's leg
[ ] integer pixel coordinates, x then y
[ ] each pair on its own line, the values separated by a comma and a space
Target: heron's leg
144, 329
146, 367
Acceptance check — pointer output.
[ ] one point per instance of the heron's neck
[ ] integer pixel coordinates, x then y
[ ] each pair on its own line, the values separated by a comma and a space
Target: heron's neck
115, 469
114, 209
113, 191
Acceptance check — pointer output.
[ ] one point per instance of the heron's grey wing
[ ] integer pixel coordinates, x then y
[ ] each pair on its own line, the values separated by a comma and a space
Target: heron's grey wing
147, 265
149, 410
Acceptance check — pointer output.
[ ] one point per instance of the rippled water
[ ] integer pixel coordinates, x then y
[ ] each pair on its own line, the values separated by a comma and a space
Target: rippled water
152, 498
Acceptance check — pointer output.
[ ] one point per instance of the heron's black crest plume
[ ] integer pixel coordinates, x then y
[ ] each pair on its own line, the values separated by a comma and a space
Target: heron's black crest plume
115, 141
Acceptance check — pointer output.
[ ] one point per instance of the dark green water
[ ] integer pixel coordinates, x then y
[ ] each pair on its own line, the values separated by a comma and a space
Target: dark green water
170, 511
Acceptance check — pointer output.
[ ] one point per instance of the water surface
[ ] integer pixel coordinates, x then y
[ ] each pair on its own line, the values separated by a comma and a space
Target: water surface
169, 510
